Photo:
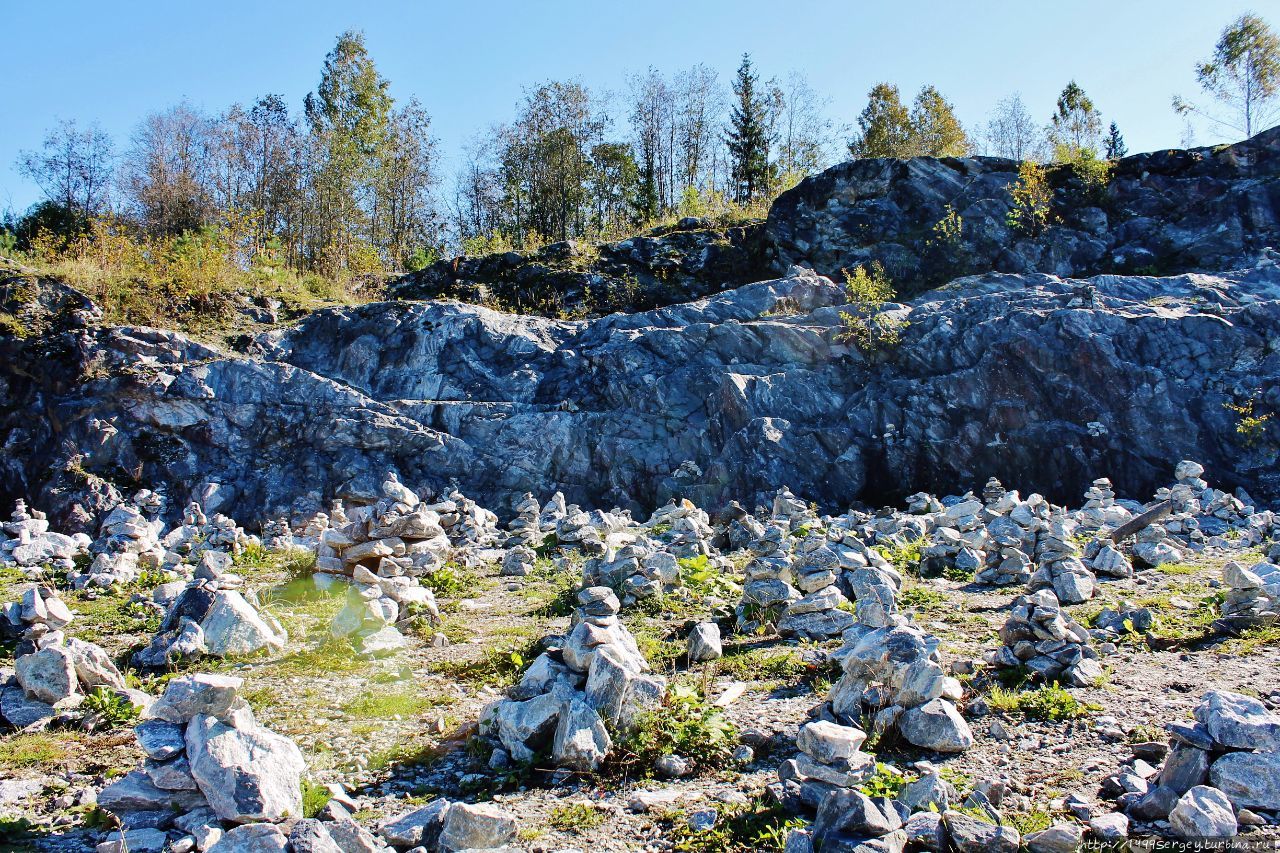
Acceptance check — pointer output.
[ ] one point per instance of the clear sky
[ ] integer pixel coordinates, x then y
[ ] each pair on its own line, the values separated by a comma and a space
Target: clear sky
468, 62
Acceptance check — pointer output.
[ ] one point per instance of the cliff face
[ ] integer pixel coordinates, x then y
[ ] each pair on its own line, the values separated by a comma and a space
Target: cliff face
1040, 380
1205, 210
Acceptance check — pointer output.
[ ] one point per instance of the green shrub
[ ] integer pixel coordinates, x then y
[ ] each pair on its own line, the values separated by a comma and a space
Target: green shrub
314, 798
112, 708
684, 724
1031, 196
1050, 702
866, 327
576, 818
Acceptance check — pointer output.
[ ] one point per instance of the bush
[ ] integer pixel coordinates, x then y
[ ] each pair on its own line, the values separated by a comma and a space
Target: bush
1050, 702
684, 724
868, 289
1031, 197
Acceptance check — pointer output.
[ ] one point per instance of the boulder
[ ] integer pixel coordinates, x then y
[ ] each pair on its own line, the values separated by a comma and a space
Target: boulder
476, 827
1203, 812
246, 774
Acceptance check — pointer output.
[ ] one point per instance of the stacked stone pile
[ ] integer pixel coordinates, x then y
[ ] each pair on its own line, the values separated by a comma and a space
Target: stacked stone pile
577, 530
1220, 773
1041, 637
526, 527
1059, 566
816, 615
767, 591
379, 607
277, 535
27, 542
215, 614
396, 536
1100, 509
53, 672
1252, 595
638, 570
216, 779
128, 543
518, 561
571, 694
830, 760
893, 676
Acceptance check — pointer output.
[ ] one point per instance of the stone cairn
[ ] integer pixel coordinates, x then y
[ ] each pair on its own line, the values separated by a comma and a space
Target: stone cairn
27, 542
1252, 595
636, 569
526, 528
1039, 636
213, 774
767, 591
1008, 541
128, 543
214, 614
817, 614
53, 672
277, 535
1219, 772
892, 676
562, 704
830, 760
1059, 564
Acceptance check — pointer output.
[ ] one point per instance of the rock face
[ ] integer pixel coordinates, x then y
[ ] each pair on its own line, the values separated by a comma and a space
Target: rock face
690, 260
1035, 379
1199, 210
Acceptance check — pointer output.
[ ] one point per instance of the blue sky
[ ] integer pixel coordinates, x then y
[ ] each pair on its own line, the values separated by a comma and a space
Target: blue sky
468, 62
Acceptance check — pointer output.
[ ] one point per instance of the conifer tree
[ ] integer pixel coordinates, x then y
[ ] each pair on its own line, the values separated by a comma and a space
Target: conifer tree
748, 138
1115, 143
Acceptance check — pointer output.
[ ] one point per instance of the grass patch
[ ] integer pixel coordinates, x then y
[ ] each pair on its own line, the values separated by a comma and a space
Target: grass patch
500, 667
330, 656
382, 706
905, 556
758, 664
751, 827
106, 615
1178, 568
35, 749
1049, 702
924, 599
1253, 640
885, 782
576, 818
314, 798
1026, 822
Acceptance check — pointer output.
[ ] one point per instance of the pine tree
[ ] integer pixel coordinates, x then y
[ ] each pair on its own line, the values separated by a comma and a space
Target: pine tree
885, 124
748, 138
1115, 143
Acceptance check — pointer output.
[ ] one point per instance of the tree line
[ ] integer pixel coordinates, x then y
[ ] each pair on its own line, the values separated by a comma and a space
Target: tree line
353, 184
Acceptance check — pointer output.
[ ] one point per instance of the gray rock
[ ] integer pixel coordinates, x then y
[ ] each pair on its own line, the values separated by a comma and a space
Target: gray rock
251, 838
134, 841
233, 627
970, 835
160, 740
476, 827
854, 813
247, 775
1239, 721
581, 741
704, 642
936, 725
828, 742
929, 790
1112, 826
48, 674
135, 792
1249, 779
1059, 838
1184, 768
200, 693
925, 832
422, 826
21, 711
1203, 812
311, 836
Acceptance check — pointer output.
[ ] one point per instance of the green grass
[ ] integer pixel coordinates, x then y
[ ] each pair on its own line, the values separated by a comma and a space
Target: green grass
576, 818
329, 656
924, 599
1253, 640
385, 705
108, 614
684, 724
499, 666
739, 829
314, 798
905, 557
885, 782
1178, 568
35, 749
1048, 702
1027, 822
761, 664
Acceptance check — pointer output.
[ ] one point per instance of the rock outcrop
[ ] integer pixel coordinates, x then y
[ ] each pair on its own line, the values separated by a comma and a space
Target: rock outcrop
1203, 210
